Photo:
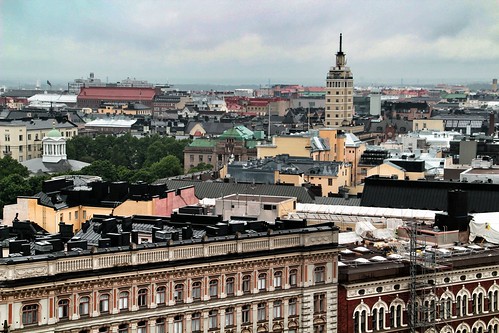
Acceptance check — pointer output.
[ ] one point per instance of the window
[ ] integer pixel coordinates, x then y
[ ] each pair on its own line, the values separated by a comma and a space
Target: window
69, 216
142, 297
262, 281
320, 328
123, 328
196, 322
142, 327
213, 319
178, 324
84, 214
160, 325
378, 318
246, 286
330, 182
179, 293
445, 307
319, 303
213, 288
245, 314
395, 315
261, 312
123, 300
229, 286
293, 277
76, 215
63, 309
229, 317
30, 314
104, 329
278, 279
84, 306
277, 313
161, 295
29, 136
319, 274
477, 301
493, 300
104, 303
462, 305
292, 307
360, 321
196, 290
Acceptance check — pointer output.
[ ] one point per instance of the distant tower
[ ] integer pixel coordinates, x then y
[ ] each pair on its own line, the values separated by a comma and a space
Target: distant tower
339, 92
494, 85
54, 147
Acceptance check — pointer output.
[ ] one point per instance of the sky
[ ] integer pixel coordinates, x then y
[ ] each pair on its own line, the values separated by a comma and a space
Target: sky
249, 41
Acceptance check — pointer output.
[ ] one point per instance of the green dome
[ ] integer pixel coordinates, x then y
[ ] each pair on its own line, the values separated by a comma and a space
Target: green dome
54, 133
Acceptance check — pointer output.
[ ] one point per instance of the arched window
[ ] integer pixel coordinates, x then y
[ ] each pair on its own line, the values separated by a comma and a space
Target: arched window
447, 329
360, 318
213, 319
493, 325
30, 314
161, 295
142, 327
292, 307
178, 324
142, 297
123, 300
278, 279
246, 314
229, 317
378, 315
479, 327
463, 328
494, 298
261, 312
277, 311
477, 300
320, 274
262, 281
123, 328
84, 306
178, 294
446, 305
104, 303
196, 322
293, 277
63, 309
396, 313
196, 290
430, 308
246, 285
229, 286
214, 288
462, 299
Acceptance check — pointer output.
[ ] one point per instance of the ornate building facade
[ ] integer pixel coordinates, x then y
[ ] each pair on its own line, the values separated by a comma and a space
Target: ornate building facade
280, 280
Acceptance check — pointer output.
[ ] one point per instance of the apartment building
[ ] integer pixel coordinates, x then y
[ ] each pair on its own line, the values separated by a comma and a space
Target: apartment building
22, 139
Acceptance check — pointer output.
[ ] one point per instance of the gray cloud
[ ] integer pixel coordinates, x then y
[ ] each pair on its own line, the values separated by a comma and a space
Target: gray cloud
226, 40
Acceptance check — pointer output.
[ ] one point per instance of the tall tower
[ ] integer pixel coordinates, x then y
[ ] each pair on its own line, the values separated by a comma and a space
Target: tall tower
339, 93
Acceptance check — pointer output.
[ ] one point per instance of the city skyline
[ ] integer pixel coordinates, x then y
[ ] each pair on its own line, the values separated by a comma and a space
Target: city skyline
227, 42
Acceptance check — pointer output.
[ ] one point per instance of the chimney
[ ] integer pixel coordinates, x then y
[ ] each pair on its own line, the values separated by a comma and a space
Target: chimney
492, 124
494, 85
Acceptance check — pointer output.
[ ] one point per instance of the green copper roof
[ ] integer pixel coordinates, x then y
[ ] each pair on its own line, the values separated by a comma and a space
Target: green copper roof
54, 133
238, 132
202, 142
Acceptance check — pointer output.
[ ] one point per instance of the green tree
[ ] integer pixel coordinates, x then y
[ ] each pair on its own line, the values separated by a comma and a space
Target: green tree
201, 167
143, 175
9, 166
102, 168
167, 167
11, 187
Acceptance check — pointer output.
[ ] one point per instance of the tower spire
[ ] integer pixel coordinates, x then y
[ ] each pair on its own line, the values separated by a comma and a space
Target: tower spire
340, 56
341, 40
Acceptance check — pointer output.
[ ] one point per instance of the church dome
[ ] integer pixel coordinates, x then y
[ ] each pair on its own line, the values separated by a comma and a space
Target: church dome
54, 133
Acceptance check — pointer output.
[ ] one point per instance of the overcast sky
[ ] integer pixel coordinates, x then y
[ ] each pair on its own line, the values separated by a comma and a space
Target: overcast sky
251, 41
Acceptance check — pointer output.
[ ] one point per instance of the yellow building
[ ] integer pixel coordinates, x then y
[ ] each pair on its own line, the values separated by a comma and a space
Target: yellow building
294, 145
428, 124
390, 169
22, 139
74, 205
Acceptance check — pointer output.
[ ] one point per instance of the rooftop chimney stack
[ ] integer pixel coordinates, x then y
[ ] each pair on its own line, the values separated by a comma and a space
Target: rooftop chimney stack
494, 85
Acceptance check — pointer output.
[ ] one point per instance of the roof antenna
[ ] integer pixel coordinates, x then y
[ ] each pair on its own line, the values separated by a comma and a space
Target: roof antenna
341, 39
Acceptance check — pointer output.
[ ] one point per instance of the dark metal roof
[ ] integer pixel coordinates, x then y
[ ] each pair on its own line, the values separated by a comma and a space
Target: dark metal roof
431, 195
338, 201
219, 189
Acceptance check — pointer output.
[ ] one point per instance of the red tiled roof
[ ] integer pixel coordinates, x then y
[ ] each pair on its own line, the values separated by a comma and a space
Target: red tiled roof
121, 93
